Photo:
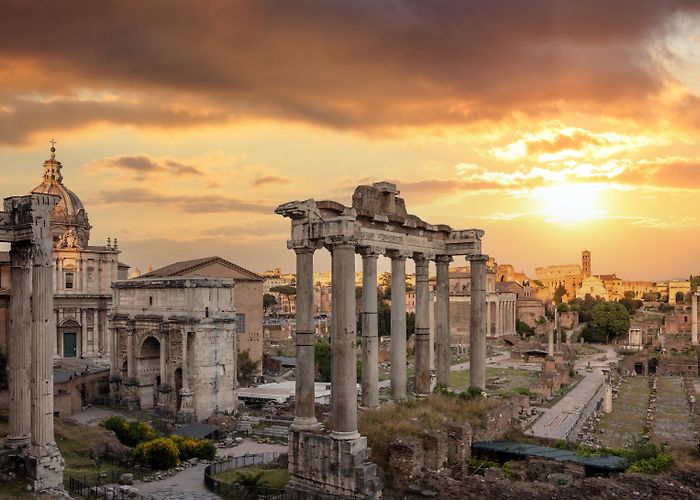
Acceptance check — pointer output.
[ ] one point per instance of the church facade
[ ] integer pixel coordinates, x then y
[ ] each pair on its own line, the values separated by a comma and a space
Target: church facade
83, 275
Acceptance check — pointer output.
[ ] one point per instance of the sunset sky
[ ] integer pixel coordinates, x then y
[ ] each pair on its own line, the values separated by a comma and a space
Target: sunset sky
554, 125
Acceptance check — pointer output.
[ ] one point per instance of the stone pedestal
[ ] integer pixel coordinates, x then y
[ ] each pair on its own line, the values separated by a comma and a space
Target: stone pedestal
186, 413
130, 394
45, 470
319, 463
164, 406
115, 389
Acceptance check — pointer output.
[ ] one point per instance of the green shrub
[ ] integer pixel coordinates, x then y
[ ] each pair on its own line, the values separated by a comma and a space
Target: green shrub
659, 463
471, 393
203, 449
130, 433
159, 453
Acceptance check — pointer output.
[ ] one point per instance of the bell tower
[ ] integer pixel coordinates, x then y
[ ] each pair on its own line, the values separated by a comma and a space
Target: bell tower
586, 263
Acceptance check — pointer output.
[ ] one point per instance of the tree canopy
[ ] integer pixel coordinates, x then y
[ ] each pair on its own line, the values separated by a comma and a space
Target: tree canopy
608, 321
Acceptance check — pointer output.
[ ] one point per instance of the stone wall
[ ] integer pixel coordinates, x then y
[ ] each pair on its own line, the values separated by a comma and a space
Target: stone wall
248, 300
498, 422
337, 467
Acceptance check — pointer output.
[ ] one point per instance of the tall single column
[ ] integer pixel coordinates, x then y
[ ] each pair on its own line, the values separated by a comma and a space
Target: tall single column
497, 314
163, 355
488, 318
186, 411
550, 343
477, 322
694, 312
343, 336
422, 374
305, 395
19, 346
43, 332
370, 339
398, 327
130, 368
442, 319
83, 333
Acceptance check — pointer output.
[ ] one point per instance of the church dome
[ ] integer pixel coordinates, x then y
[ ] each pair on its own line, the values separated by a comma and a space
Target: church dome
69, 216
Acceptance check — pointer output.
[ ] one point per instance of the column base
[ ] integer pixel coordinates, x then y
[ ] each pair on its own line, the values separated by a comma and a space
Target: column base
344, 435
17, 442
186, 414
45, 467
306, 424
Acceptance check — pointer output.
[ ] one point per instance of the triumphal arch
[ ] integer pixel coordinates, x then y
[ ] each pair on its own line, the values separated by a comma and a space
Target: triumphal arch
25, 224
377, 224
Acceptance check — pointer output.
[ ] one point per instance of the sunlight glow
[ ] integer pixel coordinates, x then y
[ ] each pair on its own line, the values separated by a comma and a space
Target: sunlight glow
569, 202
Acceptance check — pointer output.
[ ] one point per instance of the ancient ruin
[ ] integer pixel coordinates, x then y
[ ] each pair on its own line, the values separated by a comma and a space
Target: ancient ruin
376, 224
25, 224
174, 346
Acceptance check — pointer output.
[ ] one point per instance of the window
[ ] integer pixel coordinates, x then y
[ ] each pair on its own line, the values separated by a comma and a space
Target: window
240, 323
69, 280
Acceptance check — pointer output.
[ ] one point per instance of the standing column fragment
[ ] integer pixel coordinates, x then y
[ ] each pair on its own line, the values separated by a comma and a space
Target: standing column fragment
19, 346
343, 336
442, 319
477, 322
370, 339
694, 323
305, 395
398, 327
422, 345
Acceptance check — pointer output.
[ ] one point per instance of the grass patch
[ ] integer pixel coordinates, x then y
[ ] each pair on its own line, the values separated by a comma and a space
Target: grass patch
269, 478
516, 380
408, 420
14, 489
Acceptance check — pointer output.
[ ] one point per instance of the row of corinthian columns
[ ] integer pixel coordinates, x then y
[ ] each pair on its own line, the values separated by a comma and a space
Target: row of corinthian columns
343, 331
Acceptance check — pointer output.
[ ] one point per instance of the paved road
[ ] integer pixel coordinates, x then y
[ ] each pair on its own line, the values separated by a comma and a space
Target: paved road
189, 484
558, 421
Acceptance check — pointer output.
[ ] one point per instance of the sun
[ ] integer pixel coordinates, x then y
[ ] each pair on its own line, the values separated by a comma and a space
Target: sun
569, 202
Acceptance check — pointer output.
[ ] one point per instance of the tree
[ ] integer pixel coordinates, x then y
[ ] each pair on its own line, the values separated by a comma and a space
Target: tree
523, 329
246, 366
269, 301
562, 308
559, 292
694, 282
410, 324
285, 291
608, 321
322, 355
631, 304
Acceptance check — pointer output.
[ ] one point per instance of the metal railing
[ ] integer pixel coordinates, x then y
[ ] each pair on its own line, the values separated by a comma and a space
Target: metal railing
85, 489
241, 491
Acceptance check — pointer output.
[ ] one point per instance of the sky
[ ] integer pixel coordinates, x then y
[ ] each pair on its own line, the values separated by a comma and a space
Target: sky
554, 125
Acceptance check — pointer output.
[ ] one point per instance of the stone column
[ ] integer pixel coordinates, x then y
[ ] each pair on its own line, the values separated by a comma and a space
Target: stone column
115, 378
550, 344
130, 368
43, 332
97, 345
422, 344
343, 336
398, 327
498, 316
83, 332
442, 319
488, 318
19, 346
370, 339
694, 309
186, 411
607, 393
163, 358
477, 322
305, 388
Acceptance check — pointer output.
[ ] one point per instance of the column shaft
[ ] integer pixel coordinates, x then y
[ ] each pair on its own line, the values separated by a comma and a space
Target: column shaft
398, 328
19, 346
694, 312
442, 315
185, 378
343, 335
83, 333
163, 361
305, 395
130, 368
43, 332
477, 323
488, 318
370, 339
422, 374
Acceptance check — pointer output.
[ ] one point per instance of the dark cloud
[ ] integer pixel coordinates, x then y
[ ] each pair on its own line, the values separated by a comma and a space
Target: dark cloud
184, 203
144, 164
270, 180
363, 64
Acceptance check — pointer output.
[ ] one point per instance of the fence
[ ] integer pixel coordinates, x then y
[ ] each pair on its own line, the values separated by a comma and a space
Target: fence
86, 490
240, 491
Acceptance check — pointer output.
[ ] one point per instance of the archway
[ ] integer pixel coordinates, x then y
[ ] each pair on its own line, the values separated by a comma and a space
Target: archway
148, 371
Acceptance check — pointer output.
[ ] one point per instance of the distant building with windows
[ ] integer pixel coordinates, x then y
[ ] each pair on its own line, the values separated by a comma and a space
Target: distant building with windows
248, 297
